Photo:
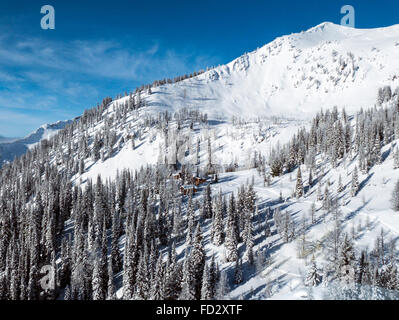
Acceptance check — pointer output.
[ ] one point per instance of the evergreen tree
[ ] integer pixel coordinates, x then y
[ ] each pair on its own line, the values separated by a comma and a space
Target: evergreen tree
248, 238
260, 261
111, 295
33, 289
313, 212
67, 294
231, 243
142, 278
299, 184
213, 277
222, 287
173, 276
97, 282
128, 271
326, 199
188, 285
313, 277
395, 197
363, 275
310, 180
197, 261
377, 150
355, 182
396, 158
191, 221
207, 203
340, 187
206, 293
238, 272
319, 196
217, 224
157, 287
81, 166
346, 261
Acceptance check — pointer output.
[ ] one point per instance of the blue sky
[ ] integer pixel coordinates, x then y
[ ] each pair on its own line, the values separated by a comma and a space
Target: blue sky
103, 48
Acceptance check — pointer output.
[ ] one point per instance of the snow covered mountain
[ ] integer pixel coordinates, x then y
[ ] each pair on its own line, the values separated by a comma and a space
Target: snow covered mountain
289, 79
12, 148
6, 139
304, 210
295, 75
292, 77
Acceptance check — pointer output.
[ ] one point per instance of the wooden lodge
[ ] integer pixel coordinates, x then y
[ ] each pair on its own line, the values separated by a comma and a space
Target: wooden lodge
198, 181
186, 190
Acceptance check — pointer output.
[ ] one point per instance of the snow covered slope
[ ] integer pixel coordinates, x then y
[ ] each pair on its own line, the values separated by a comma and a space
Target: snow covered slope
17, 147
291, 78
294, 76
284, 83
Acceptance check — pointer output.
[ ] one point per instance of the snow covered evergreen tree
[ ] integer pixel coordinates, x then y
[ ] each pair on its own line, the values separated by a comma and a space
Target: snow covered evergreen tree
157, 283
197, 261
217, 223
97, 282
206, 290
313, 278
188, 287
238, 272
355, 182
222, 286
346, 267
231, 243
299, 184
207, 203
340, 187
396, 158
395, 197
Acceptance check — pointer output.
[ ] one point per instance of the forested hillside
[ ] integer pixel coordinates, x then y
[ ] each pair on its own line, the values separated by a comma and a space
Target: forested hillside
173, 192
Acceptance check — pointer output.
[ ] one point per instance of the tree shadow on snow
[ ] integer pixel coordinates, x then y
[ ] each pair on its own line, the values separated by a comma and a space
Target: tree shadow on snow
365, 181
358, 210
385, 154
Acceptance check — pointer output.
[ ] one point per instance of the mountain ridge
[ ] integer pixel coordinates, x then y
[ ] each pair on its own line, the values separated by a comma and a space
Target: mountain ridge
295, 75
12, 148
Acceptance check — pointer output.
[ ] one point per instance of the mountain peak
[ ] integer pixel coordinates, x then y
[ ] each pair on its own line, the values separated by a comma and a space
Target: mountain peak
11, 148
328, 65
330, 26
322, 26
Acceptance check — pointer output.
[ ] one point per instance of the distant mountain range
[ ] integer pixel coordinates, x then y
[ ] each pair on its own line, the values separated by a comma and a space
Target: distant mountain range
11, 148
7, 139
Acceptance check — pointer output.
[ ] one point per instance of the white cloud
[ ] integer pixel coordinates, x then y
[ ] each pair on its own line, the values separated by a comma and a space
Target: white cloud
108, 59
37, 75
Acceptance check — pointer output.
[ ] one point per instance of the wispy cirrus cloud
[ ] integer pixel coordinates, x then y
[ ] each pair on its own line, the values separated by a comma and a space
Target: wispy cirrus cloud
65, 77
108, 59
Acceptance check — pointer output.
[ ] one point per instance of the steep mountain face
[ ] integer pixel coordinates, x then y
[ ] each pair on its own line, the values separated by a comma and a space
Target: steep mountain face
294, 76
12, 148
289, 79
